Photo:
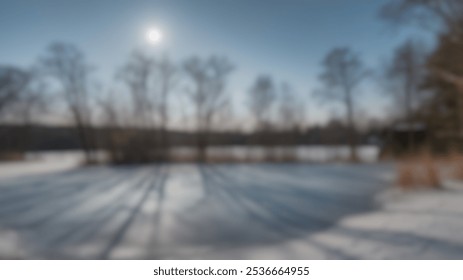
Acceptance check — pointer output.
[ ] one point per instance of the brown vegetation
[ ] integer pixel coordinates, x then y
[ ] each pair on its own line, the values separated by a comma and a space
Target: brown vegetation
419, 171
454, 164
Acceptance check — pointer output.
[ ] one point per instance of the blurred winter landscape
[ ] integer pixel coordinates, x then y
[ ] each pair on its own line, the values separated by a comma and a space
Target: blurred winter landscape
204, 129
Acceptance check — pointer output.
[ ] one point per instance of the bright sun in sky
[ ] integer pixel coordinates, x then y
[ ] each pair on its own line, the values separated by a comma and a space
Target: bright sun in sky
154, 36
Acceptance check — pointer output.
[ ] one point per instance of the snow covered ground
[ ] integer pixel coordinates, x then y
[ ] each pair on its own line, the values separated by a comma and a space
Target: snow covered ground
237, 211
40, 163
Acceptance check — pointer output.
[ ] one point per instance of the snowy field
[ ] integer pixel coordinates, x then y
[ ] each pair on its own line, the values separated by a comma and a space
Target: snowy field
236, 211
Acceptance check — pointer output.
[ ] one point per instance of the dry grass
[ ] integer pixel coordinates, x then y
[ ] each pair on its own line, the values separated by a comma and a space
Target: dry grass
405, 175
420, 171
11, 156
430, 172
185, 158
454, 162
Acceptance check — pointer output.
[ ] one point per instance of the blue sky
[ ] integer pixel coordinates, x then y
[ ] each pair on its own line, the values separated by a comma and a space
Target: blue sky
283, 38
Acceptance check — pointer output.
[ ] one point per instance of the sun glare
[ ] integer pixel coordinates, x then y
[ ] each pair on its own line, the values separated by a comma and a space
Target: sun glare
154, 36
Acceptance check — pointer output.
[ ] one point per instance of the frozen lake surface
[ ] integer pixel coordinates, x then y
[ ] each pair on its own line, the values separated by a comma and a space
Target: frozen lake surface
237, 211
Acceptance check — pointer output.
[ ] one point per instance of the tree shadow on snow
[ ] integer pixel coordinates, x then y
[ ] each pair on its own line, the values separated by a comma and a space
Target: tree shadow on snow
70, 209
261, 204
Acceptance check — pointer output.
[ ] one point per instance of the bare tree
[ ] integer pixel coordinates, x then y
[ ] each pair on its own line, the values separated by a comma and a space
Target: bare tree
167, 80
404, 79
150, 83
444, 14
20, 100
137, 74
113, 126
343, 71
291, 119
67, 64
291, 109
208, 94
261, 99
23, 95
13, 81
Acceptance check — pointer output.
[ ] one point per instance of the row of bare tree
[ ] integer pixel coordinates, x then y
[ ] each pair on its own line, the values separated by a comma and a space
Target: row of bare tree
138, 116
137, 123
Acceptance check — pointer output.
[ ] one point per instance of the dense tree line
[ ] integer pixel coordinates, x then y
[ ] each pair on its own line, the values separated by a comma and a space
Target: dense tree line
429, 81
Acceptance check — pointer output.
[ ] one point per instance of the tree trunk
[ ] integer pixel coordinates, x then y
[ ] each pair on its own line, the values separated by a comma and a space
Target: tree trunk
201, 146
408, 117
352, 135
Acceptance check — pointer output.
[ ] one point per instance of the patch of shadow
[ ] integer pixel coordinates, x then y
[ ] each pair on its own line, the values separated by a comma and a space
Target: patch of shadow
158, 183
252, 212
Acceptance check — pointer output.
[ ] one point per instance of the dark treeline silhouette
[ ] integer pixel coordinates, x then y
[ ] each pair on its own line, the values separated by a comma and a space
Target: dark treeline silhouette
49, 138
